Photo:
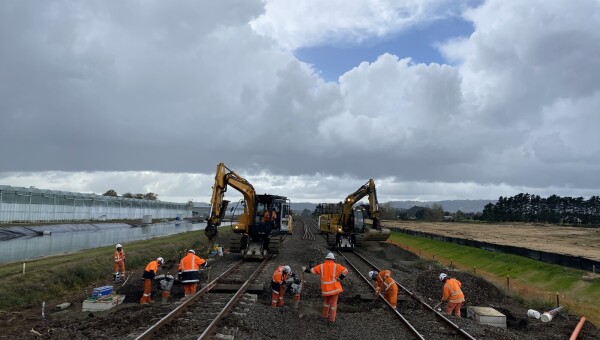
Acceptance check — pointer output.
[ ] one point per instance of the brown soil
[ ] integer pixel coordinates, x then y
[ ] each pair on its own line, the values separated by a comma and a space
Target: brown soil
357, 319
577, 241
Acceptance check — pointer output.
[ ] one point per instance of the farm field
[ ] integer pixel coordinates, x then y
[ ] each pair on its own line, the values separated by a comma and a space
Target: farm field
577, 241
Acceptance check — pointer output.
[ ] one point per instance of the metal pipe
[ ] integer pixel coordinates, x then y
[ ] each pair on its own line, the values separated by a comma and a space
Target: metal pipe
577, 329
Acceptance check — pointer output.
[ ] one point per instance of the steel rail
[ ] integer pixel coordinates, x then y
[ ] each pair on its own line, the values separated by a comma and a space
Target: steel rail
207, 332
175, 312
395, 311
440, 315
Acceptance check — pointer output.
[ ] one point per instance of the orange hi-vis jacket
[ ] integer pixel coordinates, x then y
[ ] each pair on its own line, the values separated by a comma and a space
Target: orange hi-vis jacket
329, 272
119, 256
385, 281
279, 276
151, 270
452, 291
189, 266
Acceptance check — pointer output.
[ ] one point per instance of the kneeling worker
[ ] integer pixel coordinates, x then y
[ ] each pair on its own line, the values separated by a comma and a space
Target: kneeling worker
386, 285
188, 267
149, 274
280, 276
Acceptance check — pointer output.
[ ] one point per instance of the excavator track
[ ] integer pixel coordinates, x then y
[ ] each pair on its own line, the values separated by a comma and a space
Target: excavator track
274, 244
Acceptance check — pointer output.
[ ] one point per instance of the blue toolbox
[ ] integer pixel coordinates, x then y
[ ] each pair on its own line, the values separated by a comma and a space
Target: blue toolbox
102, 291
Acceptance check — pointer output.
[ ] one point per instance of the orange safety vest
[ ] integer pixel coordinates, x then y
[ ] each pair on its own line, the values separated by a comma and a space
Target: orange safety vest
265, 217
384, 280
329, 272
279, 276
119, 256
452, 291
150, 270
190, 263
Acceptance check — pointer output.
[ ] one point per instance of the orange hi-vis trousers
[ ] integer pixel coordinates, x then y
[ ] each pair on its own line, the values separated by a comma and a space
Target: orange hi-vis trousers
189, 288
147, 292
330, 307
277, 298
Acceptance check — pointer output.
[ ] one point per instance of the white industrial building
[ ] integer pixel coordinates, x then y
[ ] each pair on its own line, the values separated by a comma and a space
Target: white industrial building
36, 205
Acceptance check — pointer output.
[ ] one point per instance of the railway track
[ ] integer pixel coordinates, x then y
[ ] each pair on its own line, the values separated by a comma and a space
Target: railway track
198, 316
439, 326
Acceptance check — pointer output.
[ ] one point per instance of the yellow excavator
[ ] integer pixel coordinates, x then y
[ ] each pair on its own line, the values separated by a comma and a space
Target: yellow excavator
347, 225
261, 225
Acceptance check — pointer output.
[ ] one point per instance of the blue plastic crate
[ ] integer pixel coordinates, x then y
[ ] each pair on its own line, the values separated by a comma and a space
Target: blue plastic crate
102, 291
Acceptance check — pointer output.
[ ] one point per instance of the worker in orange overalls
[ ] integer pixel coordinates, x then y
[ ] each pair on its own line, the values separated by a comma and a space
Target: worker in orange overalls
386, 285
453, 295
119, 263
188, 269
280, 276
266, 217
148, 276
330, 274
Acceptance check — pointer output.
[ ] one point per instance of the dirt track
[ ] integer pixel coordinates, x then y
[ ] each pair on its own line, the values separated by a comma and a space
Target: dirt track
577, 241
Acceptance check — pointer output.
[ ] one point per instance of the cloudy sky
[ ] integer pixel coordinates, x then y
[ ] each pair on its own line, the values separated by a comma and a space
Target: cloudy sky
434, 99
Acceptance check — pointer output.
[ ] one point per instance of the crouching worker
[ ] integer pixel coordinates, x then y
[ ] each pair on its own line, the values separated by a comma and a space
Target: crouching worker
385, 285
149, 274
330, 274
280, 276
188, 268
453, 295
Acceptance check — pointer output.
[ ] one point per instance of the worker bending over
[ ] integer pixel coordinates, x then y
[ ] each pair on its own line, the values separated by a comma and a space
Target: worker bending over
119, 263
149, 274
188, 269
453, 295
280, 276
386, 285
330, 274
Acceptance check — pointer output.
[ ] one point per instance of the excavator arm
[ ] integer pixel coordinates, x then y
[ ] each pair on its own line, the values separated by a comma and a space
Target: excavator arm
226, 177
366, 189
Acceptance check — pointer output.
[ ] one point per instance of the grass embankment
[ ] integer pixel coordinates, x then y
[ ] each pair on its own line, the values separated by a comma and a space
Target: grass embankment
57, 277
534, 282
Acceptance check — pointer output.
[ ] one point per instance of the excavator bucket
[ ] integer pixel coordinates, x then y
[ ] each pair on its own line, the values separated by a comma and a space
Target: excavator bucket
377, 234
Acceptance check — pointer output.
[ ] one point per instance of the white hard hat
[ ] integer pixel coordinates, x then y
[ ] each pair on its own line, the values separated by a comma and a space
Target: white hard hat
191, 251
443, 276
287, 269
372, 274
330, 256
118, 245
160, 260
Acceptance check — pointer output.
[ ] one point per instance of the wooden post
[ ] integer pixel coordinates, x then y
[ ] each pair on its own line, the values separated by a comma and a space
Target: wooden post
450, 263
557, 301
434, 257
508, 283
474, 270
23, 268
593, 268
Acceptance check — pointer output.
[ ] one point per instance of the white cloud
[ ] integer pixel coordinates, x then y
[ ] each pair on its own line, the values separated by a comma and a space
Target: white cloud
150, 97
295, 24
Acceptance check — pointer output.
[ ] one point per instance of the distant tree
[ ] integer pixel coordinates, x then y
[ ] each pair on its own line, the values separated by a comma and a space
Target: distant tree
151, 196
110, 192
138, 196
128, 195
305, 213
434, 213
387, 212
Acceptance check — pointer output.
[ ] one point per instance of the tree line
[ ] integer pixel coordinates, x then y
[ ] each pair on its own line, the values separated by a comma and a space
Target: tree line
553, 209
147, 196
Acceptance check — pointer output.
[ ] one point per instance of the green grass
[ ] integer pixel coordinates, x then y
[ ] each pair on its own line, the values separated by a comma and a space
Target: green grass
530, 280
56, 277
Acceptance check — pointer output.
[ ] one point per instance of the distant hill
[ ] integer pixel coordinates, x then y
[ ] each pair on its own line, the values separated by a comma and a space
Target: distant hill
466, 206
